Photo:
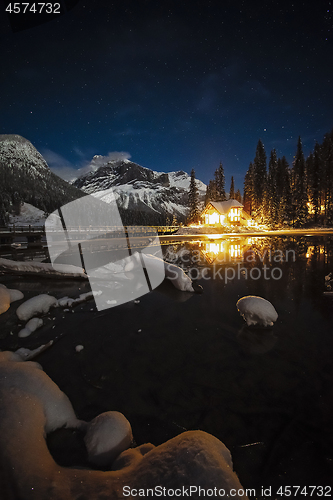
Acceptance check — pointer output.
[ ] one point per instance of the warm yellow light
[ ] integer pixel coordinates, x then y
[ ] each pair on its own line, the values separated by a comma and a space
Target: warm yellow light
235, 251
214, 248
213, 218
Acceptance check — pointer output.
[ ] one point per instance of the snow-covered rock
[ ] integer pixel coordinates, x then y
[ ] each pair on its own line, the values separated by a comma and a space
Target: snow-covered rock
29, 378
65, 302
40, 304
178, 278
69, 302
107, 436
15, 295
30, 327
31, 404
257, 311
4, 300
174, 273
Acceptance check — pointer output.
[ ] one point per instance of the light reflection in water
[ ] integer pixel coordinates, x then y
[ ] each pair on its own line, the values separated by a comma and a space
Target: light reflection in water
225, 250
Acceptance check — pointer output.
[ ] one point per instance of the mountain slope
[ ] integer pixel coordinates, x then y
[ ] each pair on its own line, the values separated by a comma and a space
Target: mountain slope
26, 177
143, 195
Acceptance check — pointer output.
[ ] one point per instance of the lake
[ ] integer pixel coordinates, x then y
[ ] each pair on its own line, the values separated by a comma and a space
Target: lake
177, 361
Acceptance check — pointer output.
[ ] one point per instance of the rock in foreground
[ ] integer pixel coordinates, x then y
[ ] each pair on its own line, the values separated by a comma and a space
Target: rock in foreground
257, 311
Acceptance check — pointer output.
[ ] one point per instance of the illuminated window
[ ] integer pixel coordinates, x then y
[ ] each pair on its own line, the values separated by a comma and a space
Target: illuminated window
214, 218
234, 215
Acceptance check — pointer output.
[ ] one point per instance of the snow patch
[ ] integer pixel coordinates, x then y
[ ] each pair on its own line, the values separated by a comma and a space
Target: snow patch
40, 304
28, 215
30, 327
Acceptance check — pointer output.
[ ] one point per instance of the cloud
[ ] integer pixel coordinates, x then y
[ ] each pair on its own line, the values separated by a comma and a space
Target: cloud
99, 160
69, 171
59, 165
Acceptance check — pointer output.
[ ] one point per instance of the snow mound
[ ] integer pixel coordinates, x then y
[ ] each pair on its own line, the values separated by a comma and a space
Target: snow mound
107, 436
36, 305
257, 311
4, 300
32, 404
29, 378
30, 327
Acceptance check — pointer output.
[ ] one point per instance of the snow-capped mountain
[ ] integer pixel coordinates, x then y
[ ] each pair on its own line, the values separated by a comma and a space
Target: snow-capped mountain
26, 177
139, 189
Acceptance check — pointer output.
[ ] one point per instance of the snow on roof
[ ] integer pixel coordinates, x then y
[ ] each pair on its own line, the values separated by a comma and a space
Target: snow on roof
224, 206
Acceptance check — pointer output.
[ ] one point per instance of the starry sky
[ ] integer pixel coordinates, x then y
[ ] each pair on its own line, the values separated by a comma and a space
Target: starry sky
170, 84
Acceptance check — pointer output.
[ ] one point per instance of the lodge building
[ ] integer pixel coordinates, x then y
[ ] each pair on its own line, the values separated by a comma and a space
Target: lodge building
230, 212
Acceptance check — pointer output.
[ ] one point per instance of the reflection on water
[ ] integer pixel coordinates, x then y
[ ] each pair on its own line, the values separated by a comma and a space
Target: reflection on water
267, 263
188, 361
272, 387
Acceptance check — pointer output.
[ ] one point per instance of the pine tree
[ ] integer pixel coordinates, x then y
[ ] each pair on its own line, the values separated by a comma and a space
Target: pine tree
232, 189
284, 191
248, 198
299, 187
314, 171
220, 184
327, 168
259, 179
271, 197
238, 196
211, 192
193, 199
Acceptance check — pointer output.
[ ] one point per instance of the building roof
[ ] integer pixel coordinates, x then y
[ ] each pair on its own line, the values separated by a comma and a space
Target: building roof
223, 207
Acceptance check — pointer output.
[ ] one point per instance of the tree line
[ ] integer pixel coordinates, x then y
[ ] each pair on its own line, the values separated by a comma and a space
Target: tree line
299, 194
280, 194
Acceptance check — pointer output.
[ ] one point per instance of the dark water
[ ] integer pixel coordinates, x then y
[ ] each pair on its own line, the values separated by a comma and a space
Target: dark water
178, 361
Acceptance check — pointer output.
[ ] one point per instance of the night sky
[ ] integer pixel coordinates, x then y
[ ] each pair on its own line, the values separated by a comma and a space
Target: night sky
170, 84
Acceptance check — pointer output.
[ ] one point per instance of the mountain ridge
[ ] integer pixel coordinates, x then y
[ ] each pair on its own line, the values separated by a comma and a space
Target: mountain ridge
26, 177
143, 196
153, 194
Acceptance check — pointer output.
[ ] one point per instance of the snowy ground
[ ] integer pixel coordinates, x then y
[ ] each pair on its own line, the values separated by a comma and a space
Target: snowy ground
29, 215
218, 230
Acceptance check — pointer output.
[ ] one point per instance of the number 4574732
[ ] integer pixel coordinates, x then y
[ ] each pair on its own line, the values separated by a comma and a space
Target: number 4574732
35, 8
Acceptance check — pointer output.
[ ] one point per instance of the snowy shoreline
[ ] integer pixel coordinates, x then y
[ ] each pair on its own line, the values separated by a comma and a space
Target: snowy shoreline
41, 269
223, 231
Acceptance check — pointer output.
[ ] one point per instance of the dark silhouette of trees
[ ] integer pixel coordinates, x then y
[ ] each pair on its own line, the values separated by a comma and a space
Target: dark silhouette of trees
300, 197
193, 200
232, 189
297, 196
259, 180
